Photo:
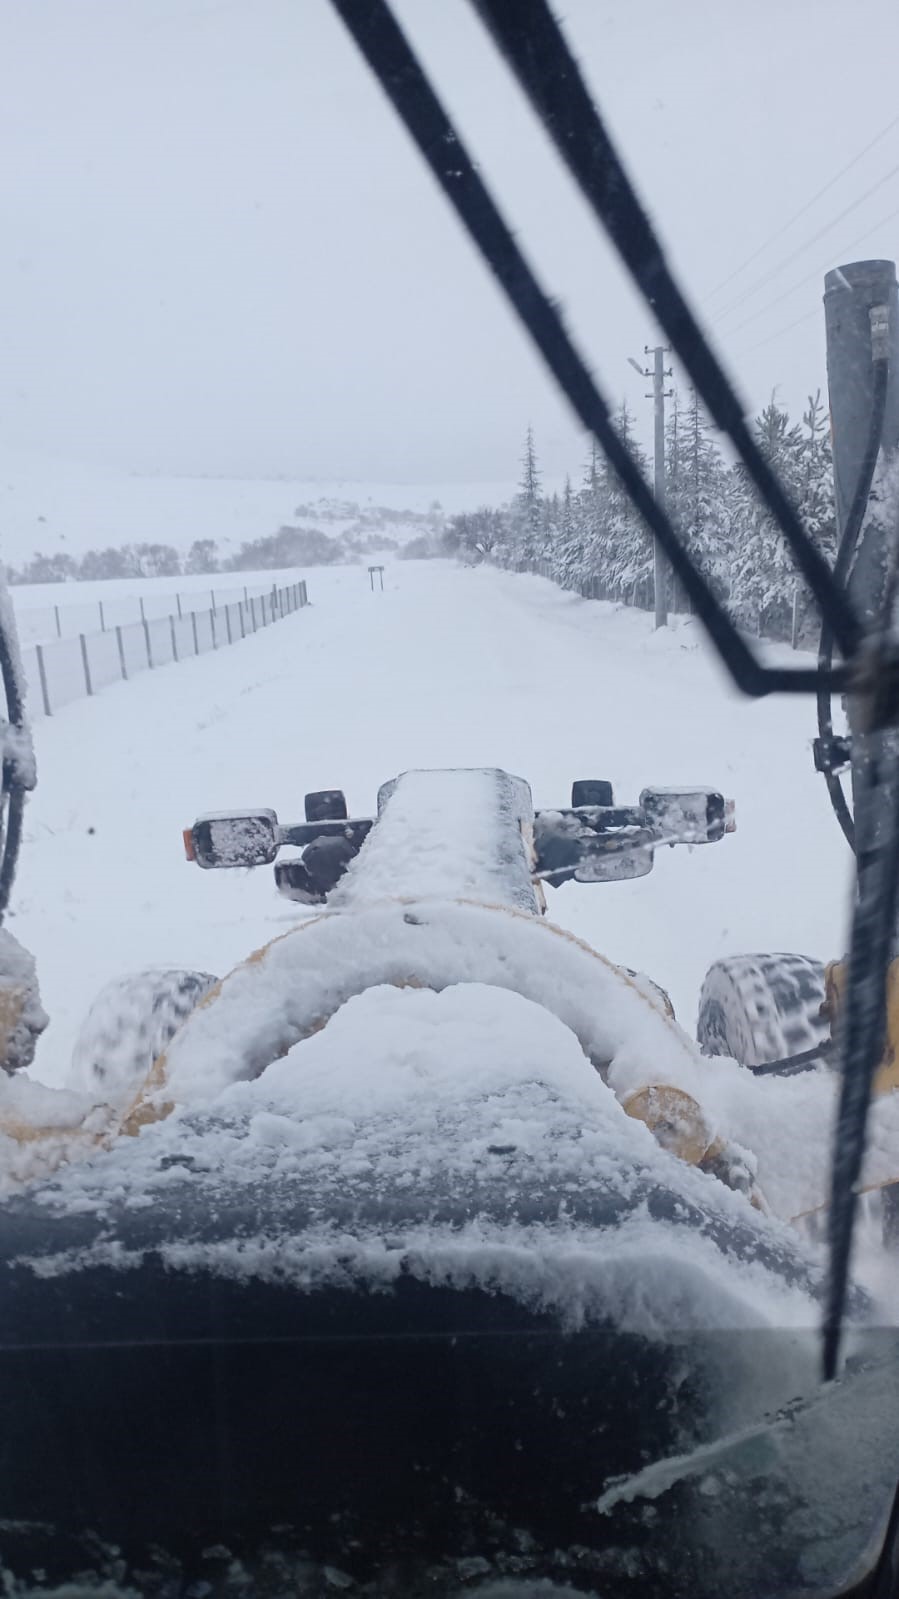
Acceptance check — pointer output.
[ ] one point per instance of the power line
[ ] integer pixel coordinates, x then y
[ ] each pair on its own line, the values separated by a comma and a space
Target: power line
779, 232
801, 249
810, 276
806, 317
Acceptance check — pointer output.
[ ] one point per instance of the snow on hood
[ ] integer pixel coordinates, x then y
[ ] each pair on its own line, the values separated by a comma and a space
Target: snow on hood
423, 1062
473, 1121
306, 976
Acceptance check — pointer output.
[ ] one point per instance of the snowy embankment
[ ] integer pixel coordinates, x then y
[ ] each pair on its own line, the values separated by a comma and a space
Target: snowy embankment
448, 667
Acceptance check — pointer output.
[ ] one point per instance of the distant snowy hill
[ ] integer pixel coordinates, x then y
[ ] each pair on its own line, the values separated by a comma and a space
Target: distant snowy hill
61, 507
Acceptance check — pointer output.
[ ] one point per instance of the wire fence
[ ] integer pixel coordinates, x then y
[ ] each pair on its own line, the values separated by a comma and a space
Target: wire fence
38, 624
71, 668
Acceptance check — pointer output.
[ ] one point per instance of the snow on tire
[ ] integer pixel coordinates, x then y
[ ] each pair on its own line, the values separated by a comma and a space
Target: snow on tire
761, 1008
129, 1025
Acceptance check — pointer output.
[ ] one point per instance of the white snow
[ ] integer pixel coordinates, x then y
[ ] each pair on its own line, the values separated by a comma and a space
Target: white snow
64, 507
449, 667
423, 1094
95, 606
446, 834
304, 978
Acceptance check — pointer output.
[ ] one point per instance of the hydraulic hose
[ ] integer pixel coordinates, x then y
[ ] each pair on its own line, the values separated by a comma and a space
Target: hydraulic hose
13, 789
845, 555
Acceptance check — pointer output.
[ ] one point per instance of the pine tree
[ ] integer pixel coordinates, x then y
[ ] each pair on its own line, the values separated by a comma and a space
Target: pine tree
565, 554
815, 502
627, 540
528, 505
702, 496
763, 576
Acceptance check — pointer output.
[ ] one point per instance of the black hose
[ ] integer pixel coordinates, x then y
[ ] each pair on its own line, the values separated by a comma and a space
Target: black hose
841, 572
11, 844
790, 1065
864, 1024
13, 789
845, 555
875, 767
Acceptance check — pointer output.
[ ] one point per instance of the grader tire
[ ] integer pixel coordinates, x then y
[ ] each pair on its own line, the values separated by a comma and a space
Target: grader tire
129, 1025
762, 1008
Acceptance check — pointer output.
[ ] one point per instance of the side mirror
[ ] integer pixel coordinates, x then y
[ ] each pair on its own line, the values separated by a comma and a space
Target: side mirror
245, 838
592, 791
326, 805
611, 860
600, 844
688, 816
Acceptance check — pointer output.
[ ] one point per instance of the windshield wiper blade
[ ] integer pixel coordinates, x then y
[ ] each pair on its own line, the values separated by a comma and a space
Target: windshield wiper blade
864, 1021
538, 54
391, 58
550, 76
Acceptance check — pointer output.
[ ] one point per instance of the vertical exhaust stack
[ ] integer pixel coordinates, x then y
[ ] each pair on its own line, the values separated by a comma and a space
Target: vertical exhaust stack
851, 292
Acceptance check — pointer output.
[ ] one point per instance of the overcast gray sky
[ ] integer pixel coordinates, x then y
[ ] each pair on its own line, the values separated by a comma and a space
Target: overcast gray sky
223, 257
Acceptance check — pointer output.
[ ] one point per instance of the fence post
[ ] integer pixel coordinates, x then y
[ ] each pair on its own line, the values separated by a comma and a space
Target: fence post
174, 639
143, 616
147, 638
245, 594
178, 603
215, 642
42, 674
58, 628
228, 623
212, 597
240, 606
102, 619
119, 641
86, 664
193, 623
794, 631
253, 611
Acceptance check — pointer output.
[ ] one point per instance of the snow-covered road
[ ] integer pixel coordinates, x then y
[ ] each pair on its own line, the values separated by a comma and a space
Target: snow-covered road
447, 667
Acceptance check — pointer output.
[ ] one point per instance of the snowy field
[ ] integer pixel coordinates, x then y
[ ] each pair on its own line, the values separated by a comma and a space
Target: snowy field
448, 667
62, 507
79, 604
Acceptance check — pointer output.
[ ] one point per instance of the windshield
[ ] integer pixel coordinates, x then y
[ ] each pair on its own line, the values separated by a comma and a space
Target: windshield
448, 1042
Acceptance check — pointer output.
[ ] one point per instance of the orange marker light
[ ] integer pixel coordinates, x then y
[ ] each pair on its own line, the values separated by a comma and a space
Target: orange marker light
188, 837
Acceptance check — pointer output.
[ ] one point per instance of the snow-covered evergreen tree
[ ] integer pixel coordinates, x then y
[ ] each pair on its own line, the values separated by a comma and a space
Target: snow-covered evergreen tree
529, 506
816, 505
702, 498
763, 575
594, 538
589, 555
628, 542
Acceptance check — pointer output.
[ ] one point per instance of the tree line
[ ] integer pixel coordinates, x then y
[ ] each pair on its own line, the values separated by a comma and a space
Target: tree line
591, 539
290, 546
